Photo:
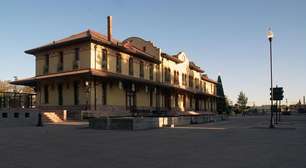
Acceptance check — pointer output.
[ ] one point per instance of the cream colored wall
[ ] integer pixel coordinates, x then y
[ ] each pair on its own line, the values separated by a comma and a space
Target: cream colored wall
111, 62
91, 58
69, 53
142, 97
68, 93
115, 96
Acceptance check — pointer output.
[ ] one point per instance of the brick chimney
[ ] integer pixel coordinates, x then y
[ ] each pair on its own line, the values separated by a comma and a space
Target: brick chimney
109, 28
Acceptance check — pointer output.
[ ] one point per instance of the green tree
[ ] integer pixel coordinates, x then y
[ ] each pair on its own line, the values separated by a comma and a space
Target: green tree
242, 102
5, 86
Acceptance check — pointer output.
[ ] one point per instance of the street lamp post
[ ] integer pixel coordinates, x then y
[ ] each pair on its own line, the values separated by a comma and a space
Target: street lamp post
87, 94
270, 36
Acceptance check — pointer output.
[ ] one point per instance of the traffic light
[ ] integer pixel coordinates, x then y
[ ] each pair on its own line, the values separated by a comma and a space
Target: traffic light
278, 93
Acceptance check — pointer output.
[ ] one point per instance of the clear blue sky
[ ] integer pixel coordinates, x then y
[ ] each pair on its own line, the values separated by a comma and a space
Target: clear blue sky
226, 37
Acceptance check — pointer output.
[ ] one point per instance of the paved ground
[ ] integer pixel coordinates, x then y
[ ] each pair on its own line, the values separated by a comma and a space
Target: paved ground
240, 142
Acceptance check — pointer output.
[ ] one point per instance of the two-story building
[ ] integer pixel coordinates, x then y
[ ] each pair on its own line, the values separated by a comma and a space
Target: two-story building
93, 72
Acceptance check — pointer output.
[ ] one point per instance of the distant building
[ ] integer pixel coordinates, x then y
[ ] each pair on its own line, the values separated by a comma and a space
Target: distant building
91, 71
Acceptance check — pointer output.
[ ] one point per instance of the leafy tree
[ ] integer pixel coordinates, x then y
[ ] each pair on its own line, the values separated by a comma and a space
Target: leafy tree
5, 86
242, 102
228, 105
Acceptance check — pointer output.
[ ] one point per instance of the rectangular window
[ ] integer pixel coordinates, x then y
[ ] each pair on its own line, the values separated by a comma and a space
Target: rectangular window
76, 88
76, 63
157, 73
60, 62
151, 71
104, 94
176, 78
151, 98
16, 115
205, 87
184, 101
191, 81
176, 100
118, 63
4, 115
104, 59
141, 69
60, 94
77, 54
46, 94
196, 83
184, 79
167, 75
46, 66
190, 102
131, 66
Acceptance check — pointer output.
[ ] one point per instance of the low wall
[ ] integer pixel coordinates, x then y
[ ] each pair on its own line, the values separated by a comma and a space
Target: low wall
18, 117
141, 123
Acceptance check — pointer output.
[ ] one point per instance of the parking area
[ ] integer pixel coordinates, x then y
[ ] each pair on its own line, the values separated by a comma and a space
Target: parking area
239, 142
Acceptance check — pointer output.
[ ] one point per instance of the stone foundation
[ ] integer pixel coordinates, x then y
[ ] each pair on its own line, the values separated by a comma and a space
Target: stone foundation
142, 123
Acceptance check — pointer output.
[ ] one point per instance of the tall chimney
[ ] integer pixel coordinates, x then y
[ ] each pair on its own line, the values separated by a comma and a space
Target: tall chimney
109, 28
304, 100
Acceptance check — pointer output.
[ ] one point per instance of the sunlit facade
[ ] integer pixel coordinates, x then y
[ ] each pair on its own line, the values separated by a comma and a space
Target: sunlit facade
92, 72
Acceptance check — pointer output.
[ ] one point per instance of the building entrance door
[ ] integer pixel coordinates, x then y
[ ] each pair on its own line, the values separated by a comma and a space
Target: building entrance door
131, 101
167, 100
196, 104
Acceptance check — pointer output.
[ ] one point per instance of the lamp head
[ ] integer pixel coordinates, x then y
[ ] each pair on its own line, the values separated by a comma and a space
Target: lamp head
270, 34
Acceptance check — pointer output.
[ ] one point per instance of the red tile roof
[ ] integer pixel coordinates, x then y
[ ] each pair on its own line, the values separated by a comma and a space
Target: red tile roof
193, 66
97, 37
172, 58
205, 77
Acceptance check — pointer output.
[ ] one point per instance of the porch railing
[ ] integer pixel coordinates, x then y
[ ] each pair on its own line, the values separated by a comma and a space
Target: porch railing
17, 100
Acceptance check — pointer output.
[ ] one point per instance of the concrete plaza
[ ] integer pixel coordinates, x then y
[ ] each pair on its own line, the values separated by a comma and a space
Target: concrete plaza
239, 142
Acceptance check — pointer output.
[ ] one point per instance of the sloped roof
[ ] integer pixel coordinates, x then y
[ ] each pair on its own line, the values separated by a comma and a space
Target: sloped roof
172, 58
85, 35
193, 66
205, 77
97, 37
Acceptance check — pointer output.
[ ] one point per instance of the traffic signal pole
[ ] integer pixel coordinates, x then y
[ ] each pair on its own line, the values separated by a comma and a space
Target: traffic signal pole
271, 75
280, 110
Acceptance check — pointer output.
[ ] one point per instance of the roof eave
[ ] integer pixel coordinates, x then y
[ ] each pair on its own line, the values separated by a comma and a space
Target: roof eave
53, 46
